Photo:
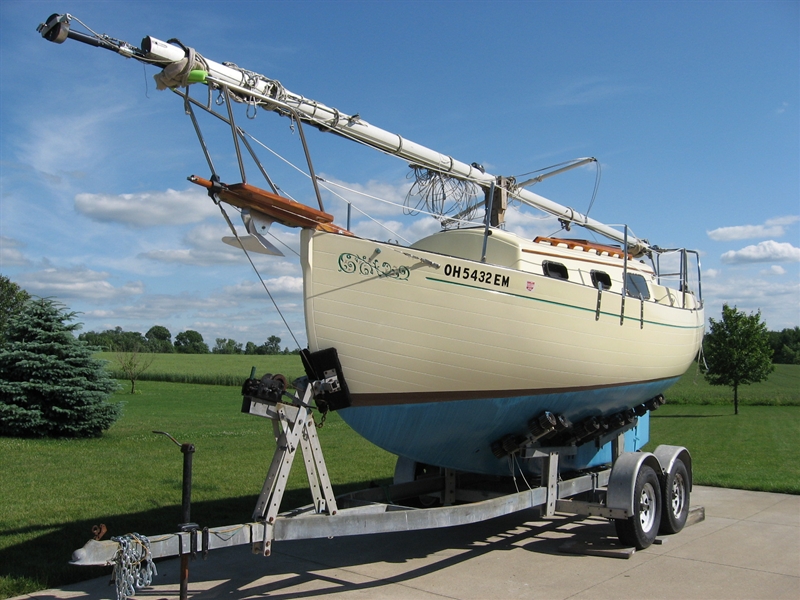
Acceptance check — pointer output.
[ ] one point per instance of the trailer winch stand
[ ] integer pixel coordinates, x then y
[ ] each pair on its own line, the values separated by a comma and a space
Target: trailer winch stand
294, 428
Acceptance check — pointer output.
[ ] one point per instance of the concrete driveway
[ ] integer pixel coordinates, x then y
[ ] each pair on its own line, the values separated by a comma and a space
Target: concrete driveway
748, 546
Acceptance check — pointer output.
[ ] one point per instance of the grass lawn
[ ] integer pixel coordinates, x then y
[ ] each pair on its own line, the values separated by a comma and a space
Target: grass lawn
782, 388
757, 449
53, 491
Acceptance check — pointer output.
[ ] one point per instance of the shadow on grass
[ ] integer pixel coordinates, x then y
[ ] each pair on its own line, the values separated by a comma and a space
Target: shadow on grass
44, 559
294, 569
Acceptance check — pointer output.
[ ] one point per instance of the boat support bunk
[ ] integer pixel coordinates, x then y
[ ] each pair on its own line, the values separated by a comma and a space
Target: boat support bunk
633, 491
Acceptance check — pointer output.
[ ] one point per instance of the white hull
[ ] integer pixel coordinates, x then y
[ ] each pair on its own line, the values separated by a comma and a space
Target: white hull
440, 365
434, 335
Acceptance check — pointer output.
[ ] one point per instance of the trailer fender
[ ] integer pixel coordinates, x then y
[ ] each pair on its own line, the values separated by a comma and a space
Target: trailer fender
667, 455
622, 480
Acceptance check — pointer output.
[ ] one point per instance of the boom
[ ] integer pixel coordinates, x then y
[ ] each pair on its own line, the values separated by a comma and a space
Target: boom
182, 66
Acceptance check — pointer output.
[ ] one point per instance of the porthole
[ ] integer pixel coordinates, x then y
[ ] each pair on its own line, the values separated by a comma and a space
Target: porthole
600, 278
636, 286
555, 270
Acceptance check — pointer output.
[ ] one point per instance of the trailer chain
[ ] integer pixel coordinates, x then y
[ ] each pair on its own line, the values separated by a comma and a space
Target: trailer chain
133, 565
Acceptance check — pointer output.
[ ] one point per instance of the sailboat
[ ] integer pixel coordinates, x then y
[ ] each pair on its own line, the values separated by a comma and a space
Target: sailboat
471, 348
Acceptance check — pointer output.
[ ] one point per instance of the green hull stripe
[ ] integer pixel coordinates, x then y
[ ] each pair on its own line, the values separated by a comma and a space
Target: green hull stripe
581, 308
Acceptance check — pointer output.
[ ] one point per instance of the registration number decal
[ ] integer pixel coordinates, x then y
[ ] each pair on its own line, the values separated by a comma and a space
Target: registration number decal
477, 275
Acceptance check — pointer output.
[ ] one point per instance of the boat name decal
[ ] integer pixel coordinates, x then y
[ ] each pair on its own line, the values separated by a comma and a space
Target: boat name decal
478, 275
350, 263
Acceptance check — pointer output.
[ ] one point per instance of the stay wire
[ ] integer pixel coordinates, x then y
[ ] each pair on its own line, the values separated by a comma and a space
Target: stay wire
252, 264
596, 188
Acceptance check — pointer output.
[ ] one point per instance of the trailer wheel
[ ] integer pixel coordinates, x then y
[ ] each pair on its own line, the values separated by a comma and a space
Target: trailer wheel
676, 498
640, 529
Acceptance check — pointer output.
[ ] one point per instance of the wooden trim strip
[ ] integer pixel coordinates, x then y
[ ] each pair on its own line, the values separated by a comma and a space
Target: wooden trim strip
584, 244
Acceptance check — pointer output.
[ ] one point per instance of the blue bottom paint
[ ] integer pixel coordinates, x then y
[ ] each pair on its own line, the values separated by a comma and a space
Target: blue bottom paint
458, 434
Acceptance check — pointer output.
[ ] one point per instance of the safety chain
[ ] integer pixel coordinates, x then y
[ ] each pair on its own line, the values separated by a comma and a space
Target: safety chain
133, 565
321, 423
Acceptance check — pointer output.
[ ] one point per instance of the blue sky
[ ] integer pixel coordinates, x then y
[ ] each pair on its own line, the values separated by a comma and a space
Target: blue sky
690, 107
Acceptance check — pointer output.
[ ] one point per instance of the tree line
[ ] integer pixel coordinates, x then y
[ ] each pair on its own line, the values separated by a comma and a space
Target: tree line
158, 339
52, 385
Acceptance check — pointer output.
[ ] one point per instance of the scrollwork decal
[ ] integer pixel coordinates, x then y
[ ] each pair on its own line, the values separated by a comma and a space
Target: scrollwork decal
350, 263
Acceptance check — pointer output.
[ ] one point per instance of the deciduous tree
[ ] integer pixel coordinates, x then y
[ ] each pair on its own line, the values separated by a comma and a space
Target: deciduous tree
12, 299
190, 342
272, 345
737, 351
133, 363
785, 346
159, 339
227, 346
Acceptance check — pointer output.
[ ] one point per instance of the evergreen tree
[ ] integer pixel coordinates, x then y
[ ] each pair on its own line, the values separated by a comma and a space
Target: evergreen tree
737, 351
50, 385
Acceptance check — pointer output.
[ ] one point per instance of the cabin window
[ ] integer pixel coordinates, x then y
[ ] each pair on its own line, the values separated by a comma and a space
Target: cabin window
636, 286
555, 270
600, 278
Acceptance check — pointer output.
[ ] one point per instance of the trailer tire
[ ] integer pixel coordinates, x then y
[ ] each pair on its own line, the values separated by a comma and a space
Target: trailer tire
640, 529
675, 507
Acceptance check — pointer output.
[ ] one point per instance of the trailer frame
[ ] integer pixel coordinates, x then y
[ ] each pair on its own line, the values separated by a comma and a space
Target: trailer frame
463, 498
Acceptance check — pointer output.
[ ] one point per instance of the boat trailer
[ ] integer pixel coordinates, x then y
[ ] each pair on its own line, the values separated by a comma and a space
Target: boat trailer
633, 492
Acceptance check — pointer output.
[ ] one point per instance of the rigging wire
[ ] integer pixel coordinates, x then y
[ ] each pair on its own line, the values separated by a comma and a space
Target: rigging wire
596, 188
354, 191
567, 163
284, 244
252, 264
439, 193
378, 199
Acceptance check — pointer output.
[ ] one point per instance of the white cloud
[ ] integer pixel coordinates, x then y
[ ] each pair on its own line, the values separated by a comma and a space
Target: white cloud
774, 270
147, 209
10, 255
205, 248
769, 251
787, 220
77, 282
253, 290
373, 197
778, 301
711, 273
67, 144
531, 224
771, 228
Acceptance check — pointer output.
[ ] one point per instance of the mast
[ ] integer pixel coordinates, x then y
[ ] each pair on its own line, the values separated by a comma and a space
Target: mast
182, 66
